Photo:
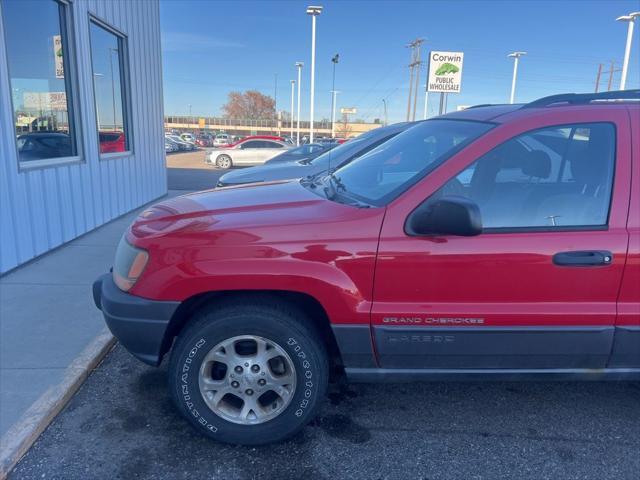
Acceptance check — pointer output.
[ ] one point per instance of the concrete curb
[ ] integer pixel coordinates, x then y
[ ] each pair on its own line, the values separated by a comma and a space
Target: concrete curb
22, 435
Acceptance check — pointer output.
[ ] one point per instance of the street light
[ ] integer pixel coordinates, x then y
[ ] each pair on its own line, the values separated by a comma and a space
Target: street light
94, 89
384, 102
299, 66
515, 56
314, 11
631, 19
334, 60
113, 93
293, 85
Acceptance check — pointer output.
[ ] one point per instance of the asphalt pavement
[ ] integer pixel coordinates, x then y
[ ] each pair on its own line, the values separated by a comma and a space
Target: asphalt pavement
187, 171
122, 425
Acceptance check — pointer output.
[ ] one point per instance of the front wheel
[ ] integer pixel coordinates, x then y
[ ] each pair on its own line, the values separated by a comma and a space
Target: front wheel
223, 161
249, 374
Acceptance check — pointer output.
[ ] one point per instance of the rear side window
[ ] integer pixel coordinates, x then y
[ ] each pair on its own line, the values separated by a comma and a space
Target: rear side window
549, 178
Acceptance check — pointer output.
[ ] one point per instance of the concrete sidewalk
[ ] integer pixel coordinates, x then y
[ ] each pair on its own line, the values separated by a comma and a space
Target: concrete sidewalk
50, 327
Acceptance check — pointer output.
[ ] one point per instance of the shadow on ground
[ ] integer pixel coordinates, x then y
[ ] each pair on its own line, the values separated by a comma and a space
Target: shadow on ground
193, 178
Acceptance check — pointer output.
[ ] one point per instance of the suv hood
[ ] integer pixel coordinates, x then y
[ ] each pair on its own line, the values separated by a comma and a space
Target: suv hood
265, 173
237, 208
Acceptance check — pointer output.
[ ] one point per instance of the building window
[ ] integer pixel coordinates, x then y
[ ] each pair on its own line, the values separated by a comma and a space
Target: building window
108, 54
41, 71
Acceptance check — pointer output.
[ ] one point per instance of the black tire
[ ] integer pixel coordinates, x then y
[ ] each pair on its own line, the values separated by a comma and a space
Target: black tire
284, 325
224, 161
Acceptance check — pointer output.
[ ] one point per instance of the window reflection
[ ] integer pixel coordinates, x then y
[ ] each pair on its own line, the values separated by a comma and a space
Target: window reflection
38, 60
106, 56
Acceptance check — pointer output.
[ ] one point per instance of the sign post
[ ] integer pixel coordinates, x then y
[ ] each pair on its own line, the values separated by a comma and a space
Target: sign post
445, 74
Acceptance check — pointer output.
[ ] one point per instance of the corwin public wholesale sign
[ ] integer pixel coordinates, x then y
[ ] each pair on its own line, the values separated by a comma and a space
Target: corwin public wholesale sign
445, 72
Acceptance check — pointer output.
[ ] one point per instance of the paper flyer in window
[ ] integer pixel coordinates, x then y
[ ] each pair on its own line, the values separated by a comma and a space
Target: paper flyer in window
57, 56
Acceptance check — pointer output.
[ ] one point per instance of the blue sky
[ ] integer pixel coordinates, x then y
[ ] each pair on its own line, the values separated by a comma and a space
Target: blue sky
212, 48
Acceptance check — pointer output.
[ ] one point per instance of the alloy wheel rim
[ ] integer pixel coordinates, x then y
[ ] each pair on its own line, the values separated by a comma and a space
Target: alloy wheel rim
247, 379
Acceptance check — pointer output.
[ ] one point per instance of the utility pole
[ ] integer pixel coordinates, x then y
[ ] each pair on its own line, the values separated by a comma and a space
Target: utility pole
415, 63
418, 63
411, 67
612, 70
598, 77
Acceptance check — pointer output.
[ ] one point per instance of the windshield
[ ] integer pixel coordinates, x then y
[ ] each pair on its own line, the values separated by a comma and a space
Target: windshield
381, 174
336, 156
306, 149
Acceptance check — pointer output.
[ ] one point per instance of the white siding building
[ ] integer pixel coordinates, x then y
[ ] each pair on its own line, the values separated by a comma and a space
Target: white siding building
81, 119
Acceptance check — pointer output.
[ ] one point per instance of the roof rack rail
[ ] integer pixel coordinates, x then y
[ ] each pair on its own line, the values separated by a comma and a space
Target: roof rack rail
480, 105
584, 98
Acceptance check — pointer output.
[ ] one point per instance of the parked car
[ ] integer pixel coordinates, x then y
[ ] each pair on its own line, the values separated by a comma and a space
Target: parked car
258, 137
301, 153
111, 142
204, 140
170, 147
178, 146
41, 145
497, 242
188, 137
331, 158
182, 145
222, 140
250, 151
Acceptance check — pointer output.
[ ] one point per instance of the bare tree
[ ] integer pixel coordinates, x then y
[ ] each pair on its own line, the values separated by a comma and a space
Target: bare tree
250, 105
344, 129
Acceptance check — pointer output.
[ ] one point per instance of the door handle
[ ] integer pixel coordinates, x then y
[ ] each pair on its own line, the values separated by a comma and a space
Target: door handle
583, 258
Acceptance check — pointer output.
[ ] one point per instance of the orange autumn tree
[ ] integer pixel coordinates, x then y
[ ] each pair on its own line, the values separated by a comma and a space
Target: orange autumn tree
250, 105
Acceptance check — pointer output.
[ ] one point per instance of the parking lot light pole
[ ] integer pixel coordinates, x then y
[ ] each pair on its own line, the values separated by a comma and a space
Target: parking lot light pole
631, 20
334, 93
515, 56
334, 60
314, 11
293, 87
299, 65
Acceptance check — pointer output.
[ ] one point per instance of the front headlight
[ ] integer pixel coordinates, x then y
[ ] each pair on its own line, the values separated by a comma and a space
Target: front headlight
129, 265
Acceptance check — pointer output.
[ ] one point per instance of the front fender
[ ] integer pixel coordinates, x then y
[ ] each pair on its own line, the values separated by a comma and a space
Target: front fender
342, 283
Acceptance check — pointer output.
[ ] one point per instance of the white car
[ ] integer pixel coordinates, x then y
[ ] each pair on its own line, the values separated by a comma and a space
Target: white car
188, 137
222, 140
247, 152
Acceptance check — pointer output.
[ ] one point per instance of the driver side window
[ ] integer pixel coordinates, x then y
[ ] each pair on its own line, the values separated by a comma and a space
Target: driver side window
548, 178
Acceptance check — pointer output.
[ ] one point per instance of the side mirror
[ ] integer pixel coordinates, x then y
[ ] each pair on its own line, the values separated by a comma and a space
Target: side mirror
449, 215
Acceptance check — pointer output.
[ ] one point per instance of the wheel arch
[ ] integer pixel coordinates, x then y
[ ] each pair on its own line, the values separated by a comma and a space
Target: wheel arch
307, 304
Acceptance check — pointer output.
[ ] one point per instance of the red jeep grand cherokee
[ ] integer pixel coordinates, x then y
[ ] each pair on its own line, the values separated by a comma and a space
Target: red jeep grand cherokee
500, 242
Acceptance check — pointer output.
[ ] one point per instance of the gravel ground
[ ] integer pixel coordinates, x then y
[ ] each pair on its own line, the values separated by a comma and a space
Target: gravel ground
122, 425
